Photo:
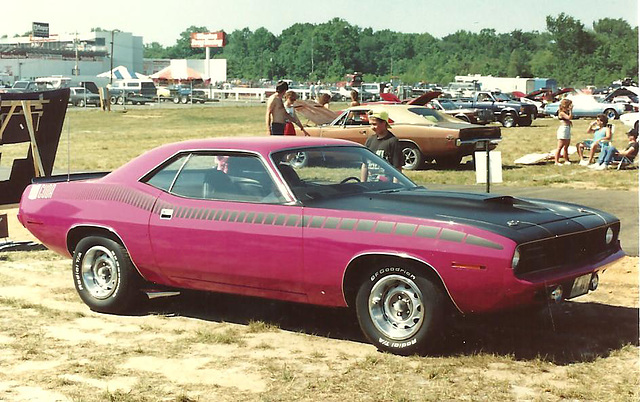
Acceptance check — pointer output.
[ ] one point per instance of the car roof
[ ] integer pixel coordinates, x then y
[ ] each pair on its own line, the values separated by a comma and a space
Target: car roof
263, 145
397, 113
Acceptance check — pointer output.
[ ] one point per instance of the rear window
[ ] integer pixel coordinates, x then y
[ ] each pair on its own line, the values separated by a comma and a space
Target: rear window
432, 115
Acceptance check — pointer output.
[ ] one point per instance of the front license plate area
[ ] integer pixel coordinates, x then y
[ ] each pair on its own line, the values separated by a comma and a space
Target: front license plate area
580, 286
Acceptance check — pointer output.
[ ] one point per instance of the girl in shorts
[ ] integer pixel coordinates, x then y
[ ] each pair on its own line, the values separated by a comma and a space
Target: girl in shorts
564, 131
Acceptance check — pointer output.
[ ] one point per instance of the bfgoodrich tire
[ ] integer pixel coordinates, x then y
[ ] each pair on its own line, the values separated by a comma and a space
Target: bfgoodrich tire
400, 311
104, 276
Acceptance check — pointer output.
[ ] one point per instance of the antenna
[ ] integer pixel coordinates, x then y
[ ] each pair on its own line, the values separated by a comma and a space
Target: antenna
68, 147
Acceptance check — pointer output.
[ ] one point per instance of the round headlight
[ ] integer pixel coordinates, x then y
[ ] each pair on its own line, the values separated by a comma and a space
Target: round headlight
516, 259
608, 237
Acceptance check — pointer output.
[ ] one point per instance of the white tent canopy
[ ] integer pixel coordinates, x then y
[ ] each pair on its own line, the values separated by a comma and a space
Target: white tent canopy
178, 70
121, 73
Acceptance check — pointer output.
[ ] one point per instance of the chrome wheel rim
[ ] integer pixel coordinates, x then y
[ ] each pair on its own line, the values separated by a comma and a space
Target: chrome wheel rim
99, 272
410, 157
509, 121
299, 159
396, 307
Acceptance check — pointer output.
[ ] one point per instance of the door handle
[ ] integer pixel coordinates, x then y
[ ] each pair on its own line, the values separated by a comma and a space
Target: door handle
166, 213
364, 132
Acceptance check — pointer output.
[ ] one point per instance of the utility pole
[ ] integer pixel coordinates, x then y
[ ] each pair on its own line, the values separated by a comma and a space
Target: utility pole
111, 76
76, 72
312, 54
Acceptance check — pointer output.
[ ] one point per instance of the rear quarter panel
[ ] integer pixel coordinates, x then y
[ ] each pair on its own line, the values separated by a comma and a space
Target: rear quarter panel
51, 211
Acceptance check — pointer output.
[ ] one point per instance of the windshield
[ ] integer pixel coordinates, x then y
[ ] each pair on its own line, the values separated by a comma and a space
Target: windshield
330, 172
448, 105
500, 97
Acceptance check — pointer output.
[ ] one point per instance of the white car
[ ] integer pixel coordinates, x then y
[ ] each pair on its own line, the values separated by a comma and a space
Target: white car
630, 119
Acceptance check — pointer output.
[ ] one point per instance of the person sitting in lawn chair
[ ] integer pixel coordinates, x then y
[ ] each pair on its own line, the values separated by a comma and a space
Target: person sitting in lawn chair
627, 156
602, 134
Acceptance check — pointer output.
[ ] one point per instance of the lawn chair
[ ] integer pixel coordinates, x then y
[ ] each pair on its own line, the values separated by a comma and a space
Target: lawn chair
587, 145
624, 163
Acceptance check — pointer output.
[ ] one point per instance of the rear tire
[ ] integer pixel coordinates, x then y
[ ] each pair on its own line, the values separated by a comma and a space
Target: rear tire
413, 157
121, 100
104, 276
400, 311
463, 117
299, 160
611, 114
525, 121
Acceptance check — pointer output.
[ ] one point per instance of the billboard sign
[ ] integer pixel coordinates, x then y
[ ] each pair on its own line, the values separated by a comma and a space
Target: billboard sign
208, 39
41, 29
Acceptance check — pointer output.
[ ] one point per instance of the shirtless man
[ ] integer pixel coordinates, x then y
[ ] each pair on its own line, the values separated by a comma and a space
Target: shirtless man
276, 114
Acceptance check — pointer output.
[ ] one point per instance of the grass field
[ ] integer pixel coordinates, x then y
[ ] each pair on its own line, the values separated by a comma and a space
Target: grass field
217, 347
104, 141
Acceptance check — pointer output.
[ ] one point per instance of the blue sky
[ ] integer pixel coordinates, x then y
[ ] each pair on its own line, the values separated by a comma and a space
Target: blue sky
163, 20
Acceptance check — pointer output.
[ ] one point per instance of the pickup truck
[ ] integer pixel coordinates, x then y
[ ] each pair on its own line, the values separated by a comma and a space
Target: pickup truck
135, 91
507, 111
185, 94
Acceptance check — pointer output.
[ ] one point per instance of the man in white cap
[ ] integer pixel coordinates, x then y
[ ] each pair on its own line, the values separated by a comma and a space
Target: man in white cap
382, 142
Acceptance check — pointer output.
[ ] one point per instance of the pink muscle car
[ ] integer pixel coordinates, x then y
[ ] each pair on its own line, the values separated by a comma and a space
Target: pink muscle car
233, 215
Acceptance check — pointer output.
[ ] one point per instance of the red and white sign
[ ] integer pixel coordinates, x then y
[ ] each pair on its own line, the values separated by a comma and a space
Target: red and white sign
208, 39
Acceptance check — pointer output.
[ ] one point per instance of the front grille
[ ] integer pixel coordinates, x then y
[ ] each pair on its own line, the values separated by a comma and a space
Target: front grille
566, 250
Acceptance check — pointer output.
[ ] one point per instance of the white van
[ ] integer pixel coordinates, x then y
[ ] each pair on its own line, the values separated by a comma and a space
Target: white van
54, 82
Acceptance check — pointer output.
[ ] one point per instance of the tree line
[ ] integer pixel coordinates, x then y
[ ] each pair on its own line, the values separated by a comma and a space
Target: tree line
567, 51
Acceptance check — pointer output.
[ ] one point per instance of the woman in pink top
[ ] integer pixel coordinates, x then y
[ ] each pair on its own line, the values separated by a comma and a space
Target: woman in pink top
564, 131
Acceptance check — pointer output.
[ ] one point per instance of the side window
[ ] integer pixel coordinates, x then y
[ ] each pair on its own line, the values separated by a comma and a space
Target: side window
164, 177
357, 118
216, 176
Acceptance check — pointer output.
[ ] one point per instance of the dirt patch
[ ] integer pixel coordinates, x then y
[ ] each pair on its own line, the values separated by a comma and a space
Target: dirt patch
200, 347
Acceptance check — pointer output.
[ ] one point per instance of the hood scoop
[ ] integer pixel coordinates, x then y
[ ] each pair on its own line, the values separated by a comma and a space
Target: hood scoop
512, 201
503, 200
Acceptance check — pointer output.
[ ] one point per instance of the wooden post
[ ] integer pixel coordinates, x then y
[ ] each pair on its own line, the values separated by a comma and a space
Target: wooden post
37, 160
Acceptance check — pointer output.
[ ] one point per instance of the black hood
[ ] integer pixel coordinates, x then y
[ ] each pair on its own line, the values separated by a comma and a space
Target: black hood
516, 218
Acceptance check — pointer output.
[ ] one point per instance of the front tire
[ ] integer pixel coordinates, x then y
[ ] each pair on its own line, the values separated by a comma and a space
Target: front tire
104, 276
413, 158
508, 120
400, 311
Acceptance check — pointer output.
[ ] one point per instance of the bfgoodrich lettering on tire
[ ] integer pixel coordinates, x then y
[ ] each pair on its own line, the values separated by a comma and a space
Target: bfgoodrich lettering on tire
104, 276
400, 311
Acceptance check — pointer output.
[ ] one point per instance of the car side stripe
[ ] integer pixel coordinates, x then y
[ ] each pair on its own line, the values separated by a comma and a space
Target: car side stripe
137, 199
